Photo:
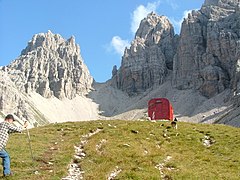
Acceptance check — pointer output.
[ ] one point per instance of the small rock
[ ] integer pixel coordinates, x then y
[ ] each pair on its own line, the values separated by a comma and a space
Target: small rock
36, 172
134, 131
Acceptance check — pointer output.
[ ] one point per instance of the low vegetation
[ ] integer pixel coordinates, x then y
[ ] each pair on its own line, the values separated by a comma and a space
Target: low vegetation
134, 149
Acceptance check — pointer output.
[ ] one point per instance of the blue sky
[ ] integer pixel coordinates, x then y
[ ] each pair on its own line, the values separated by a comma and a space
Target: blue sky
102, 28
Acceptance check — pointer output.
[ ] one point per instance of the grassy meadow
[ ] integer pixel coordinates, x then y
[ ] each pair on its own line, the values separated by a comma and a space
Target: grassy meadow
138, 149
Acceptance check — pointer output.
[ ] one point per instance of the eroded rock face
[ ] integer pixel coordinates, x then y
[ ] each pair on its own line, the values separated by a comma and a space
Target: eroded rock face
207, 52
208, 48
15, 102
149, 59
9, 96
51, 66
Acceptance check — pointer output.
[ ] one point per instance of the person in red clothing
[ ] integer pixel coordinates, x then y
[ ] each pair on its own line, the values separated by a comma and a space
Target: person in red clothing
7, 127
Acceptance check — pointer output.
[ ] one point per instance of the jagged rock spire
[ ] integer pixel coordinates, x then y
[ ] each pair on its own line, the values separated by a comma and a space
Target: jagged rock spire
51, 66
147, 62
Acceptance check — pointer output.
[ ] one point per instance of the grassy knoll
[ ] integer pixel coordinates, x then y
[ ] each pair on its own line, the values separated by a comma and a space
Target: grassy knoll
136, 148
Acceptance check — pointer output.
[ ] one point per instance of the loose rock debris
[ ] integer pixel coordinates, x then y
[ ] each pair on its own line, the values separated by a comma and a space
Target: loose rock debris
126, 145
74, 170
162, 166
109, 125
134, 131
99, 146
114, 173
208, 141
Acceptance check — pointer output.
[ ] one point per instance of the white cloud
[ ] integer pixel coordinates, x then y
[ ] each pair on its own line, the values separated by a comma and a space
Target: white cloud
141, 12
119, 45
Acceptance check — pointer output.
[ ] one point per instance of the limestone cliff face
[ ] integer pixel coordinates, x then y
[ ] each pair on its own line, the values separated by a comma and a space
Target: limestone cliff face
208, 49
51, 66
13, 101
205, 56
149, 59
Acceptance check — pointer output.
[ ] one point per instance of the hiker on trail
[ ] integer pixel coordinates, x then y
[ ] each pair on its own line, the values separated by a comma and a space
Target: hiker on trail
7, 127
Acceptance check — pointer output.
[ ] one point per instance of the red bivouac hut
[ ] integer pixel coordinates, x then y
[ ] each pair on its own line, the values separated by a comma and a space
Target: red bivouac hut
160, 109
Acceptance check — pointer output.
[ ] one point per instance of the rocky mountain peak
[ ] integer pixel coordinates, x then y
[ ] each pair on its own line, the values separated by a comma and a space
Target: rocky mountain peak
43, 40
203, 61
147, 62
71, 40
222, 3
219, 9
203, 57
51, 66
152, 22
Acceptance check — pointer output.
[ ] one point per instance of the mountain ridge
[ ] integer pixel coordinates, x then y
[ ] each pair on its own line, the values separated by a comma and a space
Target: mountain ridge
197, 67
51, 67
206, 59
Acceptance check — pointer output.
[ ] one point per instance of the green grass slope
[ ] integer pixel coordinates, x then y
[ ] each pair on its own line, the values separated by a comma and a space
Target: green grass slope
138, 149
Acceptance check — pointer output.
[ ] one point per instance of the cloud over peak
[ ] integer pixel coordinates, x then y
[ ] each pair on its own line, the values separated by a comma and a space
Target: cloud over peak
119, 45
178, 23
140, 13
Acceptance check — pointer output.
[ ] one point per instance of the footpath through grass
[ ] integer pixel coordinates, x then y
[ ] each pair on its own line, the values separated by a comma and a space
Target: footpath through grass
138, 149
